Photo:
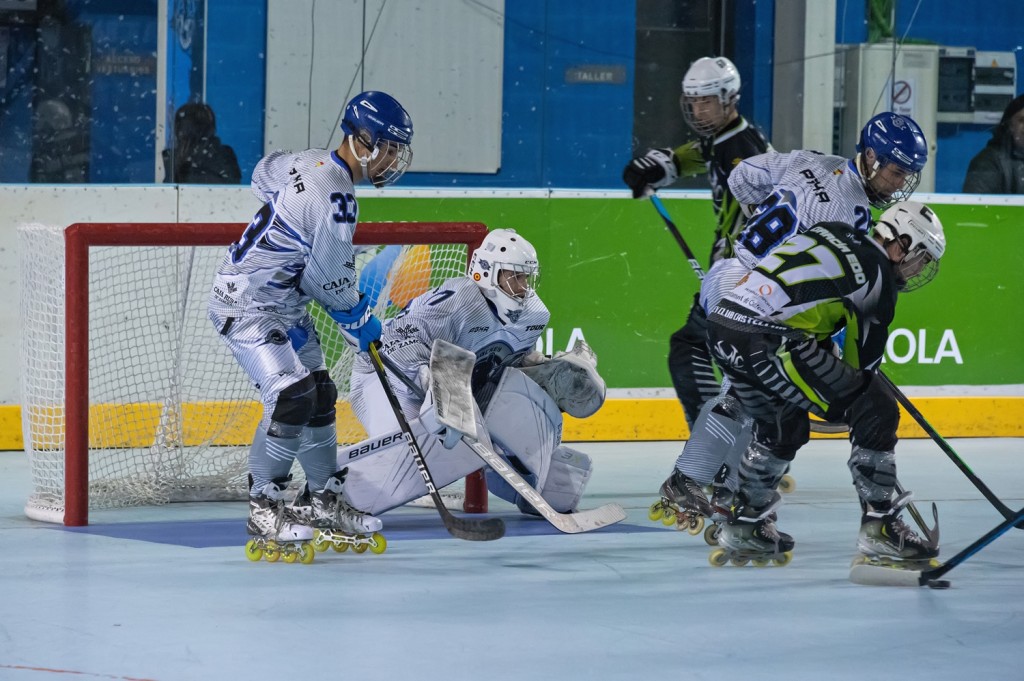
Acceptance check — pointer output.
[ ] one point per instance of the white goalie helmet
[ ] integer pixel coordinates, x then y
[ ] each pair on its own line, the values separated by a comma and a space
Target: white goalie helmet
711, 89
505, 268
916, 227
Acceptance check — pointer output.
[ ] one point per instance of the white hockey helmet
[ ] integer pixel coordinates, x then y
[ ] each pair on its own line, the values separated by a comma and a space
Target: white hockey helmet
505, 268
916, 227
710, 77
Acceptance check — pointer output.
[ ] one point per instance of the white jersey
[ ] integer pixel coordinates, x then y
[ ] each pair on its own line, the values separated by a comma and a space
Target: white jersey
794, 192
458, 312
299, 245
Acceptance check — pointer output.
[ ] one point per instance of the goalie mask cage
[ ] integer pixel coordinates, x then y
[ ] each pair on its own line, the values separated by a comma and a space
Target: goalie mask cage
130, 398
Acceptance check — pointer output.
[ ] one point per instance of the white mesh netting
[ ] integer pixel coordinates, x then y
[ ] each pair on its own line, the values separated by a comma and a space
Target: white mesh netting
171, 414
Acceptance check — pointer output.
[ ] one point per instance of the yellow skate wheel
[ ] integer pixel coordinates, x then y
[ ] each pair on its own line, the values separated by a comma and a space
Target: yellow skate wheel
784, 559
290, 556
307, 554
696, 525
761, 562
340, 547
378, 544
252, 551
718, 558
272, 552
711, 535
739, 562
321, 543
670, 518
361, 546
787, 485
656, 512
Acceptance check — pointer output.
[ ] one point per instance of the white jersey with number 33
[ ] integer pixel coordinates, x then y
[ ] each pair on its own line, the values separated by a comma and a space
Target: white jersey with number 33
298, 247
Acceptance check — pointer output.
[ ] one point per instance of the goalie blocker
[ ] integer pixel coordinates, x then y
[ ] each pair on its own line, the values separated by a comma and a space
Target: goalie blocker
523, 421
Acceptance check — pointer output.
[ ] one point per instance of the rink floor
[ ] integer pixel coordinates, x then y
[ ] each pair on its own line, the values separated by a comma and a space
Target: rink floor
167, 593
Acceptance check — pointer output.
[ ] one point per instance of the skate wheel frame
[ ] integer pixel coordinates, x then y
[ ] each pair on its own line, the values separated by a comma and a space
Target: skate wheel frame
341, 543
271, 551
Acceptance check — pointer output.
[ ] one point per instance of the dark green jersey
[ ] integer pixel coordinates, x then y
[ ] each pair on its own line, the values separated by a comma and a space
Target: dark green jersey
717, 156
814, 284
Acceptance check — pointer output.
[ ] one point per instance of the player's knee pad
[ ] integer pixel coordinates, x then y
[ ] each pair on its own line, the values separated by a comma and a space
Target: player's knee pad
874, 473
326, 400
760, 473
568, 475
874, 417
293, 409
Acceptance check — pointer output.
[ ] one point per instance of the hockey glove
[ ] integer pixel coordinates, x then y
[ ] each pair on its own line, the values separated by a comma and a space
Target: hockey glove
359, 325
651, 171
298, 336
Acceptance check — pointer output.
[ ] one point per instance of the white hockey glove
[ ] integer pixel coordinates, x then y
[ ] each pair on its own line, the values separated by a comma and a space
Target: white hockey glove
571, 379
651, 171
359, 325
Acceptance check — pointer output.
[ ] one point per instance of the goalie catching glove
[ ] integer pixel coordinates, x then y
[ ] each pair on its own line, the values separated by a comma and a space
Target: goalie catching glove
570, 378
359, 325
653, 170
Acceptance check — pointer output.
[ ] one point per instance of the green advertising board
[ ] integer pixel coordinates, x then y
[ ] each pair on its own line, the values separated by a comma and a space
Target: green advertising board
612, 274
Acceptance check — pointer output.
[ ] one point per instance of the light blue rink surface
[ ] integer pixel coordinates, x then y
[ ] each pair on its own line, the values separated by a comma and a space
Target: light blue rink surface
130, 598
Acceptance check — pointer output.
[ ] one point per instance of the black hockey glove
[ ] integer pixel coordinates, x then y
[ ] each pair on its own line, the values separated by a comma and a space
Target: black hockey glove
654, 169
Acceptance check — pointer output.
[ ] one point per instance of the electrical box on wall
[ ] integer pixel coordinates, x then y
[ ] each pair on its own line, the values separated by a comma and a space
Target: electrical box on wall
975, 86
868, 88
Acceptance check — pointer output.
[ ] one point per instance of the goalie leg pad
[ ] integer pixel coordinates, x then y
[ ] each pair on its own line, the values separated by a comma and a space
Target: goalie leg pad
382, 474
568, 475
524, 421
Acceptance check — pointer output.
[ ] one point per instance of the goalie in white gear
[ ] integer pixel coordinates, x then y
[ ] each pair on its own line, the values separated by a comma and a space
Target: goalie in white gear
495, 312
298, 248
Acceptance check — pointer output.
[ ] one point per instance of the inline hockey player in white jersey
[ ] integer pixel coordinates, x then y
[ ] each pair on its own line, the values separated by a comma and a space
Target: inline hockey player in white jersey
298, 248
495, 312
787, 193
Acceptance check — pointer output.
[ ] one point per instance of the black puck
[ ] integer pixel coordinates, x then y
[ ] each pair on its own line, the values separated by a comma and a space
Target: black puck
938, 584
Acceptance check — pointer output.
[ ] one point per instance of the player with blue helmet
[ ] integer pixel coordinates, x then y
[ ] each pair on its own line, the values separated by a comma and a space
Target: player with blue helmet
297, 249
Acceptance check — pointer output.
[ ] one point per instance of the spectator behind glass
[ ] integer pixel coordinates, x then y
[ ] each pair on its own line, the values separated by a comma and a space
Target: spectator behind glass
999, 167
198, 157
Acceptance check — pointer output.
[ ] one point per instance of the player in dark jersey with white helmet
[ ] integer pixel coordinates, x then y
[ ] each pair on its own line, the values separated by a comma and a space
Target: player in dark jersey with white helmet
711, 91
770, 335
298, 248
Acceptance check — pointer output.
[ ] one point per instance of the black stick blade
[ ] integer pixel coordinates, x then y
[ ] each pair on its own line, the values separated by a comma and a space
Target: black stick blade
473, 529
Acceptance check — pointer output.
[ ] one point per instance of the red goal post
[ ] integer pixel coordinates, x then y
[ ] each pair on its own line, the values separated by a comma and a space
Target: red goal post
429, 253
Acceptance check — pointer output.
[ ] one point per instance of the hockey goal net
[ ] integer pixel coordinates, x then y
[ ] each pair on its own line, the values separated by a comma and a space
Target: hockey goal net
128, 395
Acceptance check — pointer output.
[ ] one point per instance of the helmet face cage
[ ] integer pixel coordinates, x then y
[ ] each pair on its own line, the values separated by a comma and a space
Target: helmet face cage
899, 148
505, 268
918, 231
709, 77
383, 129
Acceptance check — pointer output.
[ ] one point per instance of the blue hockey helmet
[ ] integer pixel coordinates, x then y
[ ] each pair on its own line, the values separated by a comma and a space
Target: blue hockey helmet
898, 145
378, 122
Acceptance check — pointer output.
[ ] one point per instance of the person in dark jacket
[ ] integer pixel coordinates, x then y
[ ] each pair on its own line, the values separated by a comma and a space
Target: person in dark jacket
999, 167
198, 156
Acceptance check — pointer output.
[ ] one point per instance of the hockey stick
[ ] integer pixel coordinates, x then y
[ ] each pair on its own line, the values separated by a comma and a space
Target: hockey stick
451, 368
694, 263
873, 575
1003, 509
471, 529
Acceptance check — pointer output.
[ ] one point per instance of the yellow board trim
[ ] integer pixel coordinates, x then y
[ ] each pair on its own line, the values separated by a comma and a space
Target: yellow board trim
618, 420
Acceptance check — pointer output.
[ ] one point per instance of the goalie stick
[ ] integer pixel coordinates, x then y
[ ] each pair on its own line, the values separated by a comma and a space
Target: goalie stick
451, 369
470, 529
1003, 509
875, 575
817, 426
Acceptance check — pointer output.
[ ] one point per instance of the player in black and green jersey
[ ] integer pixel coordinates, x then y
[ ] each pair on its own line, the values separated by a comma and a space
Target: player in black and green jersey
711, 91
771, 337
